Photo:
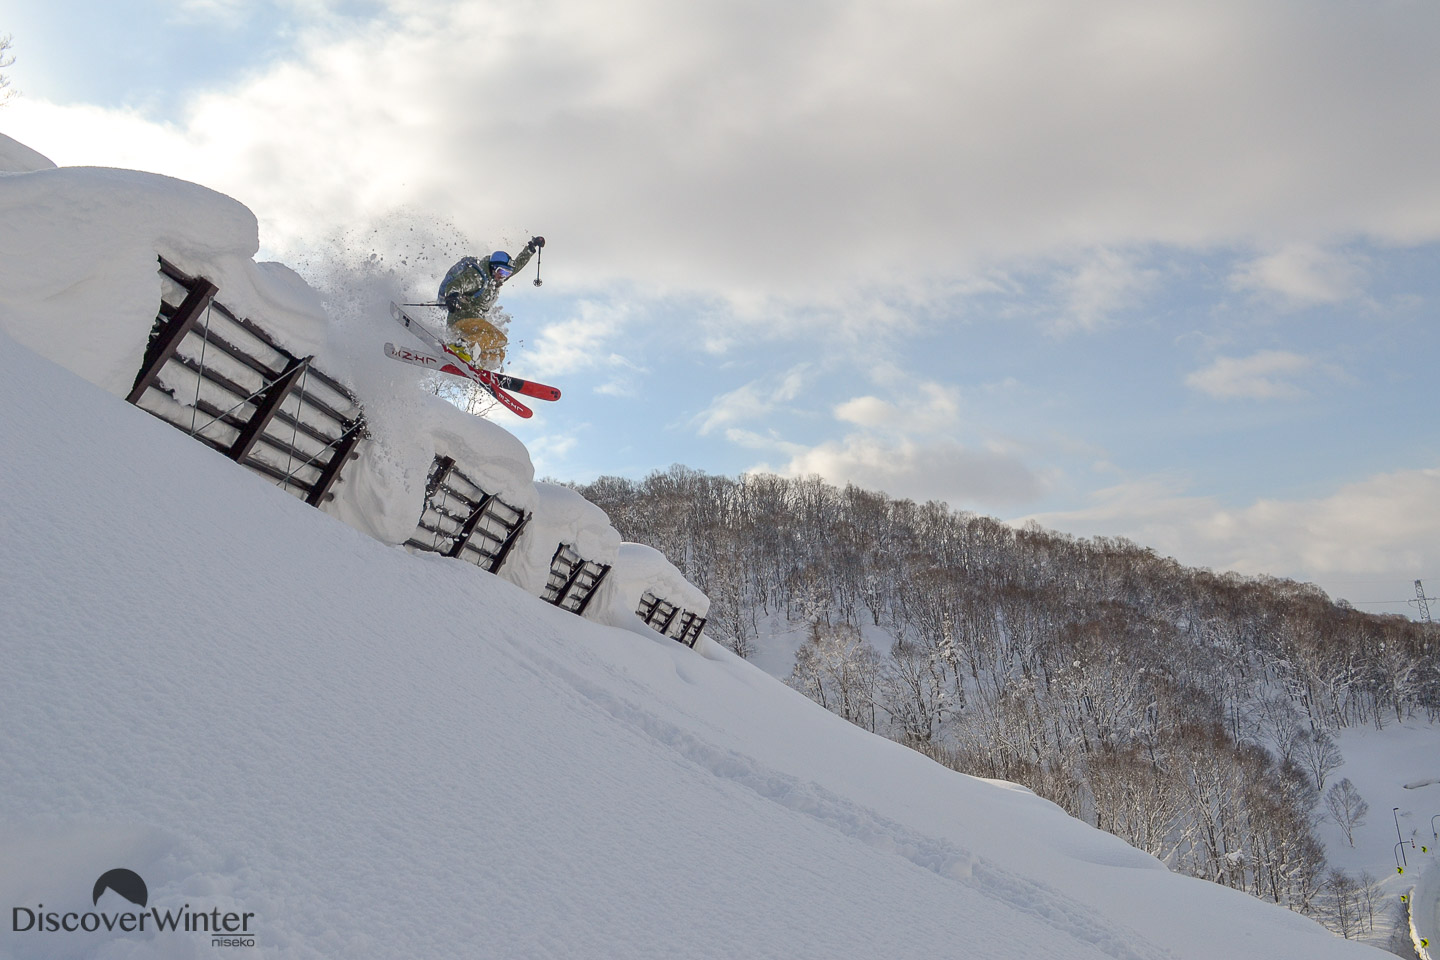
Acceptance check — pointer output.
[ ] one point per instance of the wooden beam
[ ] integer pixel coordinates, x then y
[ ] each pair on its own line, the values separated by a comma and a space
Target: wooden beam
509, 543
594, 587
664, 631
467, 529
344, 450
575, 572
267, 405
699, 626
438, 472
163, 346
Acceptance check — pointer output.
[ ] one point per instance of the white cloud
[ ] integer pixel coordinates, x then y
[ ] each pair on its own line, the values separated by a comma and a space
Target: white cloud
931, 407
1383, 525
908, 451
1105, 283
770, 440
1303, 275
843, 144
929, 469
1267, 375
579, 343
550, 452
755, 400
867, 411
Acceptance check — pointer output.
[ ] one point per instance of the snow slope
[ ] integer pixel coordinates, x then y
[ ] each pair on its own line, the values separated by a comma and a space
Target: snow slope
262, 710
381, 754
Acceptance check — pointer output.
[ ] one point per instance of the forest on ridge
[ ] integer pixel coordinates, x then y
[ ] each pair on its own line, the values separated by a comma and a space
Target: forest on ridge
1189, 712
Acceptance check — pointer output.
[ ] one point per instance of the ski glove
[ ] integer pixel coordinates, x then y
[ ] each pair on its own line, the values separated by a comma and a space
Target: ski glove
452, 302
536, 243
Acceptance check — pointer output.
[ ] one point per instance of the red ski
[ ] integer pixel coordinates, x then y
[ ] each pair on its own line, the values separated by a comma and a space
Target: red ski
449, 358
448, 364
530, 388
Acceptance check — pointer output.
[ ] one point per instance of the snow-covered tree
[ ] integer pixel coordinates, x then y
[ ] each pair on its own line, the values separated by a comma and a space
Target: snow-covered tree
1182, 709
839, 670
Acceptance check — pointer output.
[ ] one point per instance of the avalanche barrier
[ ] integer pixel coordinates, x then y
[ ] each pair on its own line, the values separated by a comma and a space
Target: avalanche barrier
223, 380
669, 620
573, 580
460, 519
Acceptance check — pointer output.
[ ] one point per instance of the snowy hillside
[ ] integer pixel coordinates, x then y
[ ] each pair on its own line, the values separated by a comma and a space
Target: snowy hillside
356, 751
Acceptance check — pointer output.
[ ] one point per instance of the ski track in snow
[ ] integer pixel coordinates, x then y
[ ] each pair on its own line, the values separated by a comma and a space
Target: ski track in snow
938, 856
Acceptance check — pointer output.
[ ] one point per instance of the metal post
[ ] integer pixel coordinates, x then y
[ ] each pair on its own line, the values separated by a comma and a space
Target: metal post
1422, 601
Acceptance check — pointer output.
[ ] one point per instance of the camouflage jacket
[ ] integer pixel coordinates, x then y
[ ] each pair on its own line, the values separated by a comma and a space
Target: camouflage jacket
478, 291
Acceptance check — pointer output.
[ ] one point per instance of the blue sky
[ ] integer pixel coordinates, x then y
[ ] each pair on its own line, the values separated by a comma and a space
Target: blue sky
1157, 271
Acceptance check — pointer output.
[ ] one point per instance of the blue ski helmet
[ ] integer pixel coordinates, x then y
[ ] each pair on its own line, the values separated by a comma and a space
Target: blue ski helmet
500, 258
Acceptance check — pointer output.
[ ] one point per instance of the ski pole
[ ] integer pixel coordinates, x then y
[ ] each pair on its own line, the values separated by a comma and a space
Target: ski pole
538, 281
439, 304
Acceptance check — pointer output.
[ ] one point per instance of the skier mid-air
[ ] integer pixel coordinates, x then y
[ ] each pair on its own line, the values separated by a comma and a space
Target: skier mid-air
469, 292
476, 346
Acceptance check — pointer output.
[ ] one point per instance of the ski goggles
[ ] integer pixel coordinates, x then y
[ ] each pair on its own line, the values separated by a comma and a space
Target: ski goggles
501, 273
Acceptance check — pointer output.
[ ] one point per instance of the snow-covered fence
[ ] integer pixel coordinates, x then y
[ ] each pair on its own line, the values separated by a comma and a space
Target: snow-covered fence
670, 619
647, 590
223, 380
573, 580
461, 519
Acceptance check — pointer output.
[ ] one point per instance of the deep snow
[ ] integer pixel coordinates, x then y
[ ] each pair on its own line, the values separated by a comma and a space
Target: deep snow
261, 709
253, 705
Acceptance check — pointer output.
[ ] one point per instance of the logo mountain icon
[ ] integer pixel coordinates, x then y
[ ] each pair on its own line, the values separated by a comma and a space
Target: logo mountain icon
127, 883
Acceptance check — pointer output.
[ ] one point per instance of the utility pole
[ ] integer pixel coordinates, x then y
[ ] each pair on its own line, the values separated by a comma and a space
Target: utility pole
1422, 601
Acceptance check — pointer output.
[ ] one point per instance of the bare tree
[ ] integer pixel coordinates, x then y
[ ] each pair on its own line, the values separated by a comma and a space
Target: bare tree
1342, 904
1370, 895
1319, 756
1347, 807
